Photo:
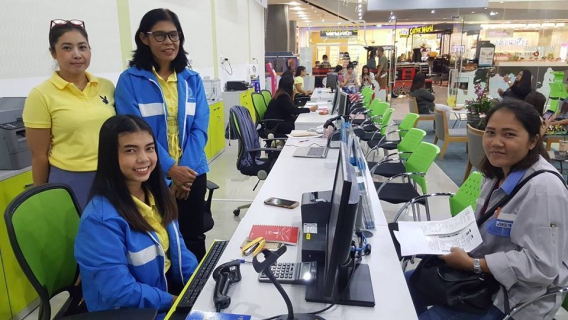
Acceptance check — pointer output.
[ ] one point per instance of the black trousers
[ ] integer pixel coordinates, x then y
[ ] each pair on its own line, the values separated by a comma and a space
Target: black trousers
191, 217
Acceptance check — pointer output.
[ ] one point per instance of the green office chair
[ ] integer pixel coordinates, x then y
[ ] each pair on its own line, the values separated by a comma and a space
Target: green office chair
403, 127
267, 96
389, 166
557, 91
367, 96
42, 224
260, 107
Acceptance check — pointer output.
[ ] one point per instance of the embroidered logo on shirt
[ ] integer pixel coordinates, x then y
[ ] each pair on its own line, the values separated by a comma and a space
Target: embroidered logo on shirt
104, 99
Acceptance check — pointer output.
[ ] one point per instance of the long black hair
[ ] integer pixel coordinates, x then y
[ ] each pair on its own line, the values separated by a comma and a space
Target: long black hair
418, 81
285, 86
299, 70
526, 80
110, 183
142, 57
529, 118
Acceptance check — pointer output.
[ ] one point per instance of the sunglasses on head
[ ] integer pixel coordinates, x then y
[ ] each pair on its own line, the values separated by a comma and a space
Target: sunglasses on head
63, 22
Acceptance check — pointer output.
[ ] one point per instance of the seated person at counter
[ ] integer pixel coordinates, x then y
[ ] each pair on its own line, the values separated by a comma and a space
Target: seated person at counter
339, 71
367, 77
299, 81
527, 254
325, 63
349, 82
425, 98
282, 107
520, 88
537, 100
128, 247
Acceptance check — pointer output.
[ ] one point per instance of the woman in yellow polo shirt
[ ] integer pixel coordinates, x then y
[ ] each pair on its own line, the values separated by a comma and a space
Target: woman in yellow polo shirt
64, 114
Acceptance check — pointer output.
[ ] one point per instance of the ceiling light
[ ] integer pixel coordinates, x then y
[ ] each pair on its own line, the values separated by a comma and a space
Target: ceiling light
293, 3
296, 8
560, 24
322, 20
473, 12
360, 5
433, 11
493, 13
339, 23
485, 8
379, 25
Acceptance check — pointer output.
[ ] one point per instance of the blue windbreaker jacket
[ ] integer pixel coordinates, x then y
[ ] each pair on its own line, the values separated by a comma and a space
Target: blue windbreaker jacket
124, 268
139, 93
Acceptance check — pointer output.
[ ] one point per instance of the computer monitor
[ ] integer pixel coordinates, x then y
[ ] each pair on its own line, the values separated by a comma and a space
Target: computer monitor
337, 281
342, 108
335, 102
331, 81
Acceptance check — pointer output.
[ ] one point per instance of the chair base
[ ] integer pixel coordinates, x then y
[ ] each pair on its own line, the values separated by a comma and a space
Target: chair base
237, 211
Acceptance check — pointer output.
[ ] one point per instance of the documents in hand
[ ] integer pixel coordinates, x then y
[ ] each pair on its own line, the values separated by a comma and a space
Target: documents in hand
438, 237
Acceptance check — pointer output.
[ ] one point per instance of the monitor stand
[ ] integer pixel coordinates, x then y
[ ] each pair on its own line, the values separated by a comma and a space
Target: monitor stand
359, 293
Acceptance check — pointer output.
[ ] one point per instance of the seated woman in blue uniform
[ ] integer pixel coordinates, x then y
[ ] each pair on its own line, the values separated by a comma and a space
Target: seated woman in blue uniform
525, 244
129, 249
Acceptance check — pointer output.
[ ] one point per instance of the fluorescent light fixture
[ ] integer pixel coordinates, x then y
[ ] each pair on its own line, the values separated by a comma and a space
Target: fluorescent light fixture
433, 11
322, 20
379, 25
296, 8
473, 12
493, 13
560, 24
548, 24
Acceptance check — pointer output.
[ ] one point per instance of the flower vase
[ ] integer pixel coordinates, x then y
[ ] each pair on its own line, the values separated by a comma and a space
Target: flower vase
473, 119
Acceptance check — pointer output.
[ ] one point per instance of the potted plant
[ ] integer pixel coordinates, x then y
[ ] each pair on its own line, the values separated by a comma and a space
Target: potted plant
478, 107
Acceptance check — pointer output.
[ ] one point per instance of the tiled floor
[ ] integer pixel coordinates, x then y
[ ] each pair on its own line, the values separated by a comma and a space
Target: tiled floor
237, 189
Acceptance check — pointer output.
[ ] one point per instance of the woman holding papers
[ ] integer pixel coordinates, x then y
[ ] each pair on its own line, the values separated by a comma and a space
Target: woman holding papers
525, 243
282, 107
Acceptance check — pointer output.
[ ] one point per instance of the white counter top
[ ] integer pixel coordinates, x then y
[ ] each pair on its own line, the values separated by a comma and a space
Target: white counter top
530, 63
7, 174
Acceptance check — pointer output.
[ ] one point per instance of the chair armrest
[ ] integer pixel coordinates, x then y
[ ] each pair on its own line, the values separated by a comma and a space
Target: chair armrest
116, 314
212, 185
414, 200
404, 174
272, 120
264, 149
548, 293
383, 161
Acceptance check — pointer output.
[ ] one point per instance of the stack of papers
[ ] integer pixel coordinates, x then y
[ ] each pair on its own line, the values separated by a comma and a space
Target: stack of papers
438, 237
303, 133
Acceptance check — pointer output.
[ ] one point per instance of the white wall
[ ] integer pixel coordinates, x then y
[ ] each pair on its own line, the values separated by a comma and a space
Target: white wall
25, 60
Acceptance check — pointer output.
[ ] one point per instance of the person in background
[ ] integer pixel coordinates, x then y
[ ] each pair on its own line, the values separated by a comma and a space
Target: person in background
131, 211
317, 64
299, 81
402, 58
339, 70
367, 77
371, 62
282, 106
63, 115
382, 67
520, 88
537, 100
524, 246
350, 79
425, 98
160, 88
325, 63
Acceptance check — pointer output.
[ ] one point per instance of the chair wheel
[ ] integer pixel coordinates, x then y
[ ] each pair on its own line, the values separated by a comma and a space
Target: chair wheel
237, 212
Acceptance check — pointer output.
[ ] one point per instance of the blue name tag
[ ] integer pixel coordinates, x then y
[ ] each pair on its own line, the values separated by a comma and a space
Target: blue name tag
498, 227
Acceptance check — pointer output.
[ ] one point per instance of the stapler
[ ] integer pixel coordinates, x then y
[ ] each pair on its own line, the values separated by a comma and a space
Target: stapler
254, 247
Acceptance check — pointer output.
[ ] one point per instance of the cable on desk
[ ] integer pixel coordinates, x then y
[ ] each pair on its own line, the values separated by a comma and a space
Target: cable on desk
225, 68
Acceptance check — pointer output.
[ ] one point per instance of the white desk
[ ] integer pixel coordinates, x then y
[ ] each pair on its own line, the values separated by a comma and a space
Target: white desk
289, 178
306, 121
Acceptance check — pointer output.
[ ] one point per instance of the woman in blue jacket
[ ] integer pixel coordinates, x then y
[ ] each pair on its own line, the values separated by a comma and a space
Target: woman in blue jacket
128, 247
159, 88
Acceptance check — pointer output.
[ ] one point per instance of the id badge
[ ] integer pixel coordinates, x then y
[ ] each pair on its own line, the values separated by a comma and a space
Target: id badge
499, 227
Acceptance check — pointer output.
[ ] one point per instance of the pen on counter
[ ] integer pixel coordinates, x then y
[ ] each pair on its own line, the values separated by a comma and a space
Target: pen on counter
243, 261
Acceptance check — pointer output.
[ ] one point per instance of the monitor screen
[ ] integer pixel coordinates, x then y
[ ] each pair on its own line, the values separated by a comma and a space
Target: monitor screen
342, 218
342, 108
331, 81
335, 102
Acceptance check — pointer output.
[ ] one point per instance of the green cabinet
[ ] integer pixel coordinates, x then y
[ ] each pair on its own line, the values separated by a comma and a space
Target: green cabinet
20, 291
5, 310
216, 132
246, 101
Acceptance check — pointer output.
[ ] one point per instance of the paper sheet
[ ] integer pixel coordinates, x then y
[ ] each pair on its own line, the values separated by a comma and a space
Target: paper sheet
438, 237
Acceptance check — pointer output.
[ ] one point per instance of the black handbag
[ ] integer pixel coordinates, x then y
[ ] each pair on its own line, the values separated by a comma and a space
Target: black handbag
462, 290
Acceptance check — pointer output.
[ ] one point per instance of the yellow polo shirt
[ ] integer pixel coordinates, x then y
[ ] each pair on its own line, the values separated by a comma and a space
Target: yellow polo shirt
169, 88
154, 219
75, 118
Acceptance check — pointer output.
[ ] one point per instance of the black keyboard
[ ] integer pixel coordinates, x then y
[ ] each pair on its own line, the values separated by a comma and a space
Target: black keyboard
201, 275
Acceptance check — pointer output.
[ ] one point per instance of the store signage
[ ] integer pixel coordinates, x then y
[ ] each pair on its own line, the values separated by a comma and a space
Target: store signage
421, 30
458, 48
510, 42
338, 33
486, 57
403, 33
500, 33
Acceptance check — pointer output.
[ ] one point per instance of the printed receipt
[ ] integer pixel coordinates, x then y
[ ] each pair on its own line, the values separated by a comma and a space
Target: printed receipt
438, 237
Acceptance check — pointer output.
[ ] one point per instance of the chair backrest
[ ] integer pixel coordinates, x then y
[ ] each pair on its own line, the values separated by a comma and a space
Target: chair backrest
420, 161
557, 90
475, 151
247, 137
412, 105
42, 224
267, 96
410, 141
378, 108
385, 121
260, 106
407, 123
467, 194
441, 124
367, 96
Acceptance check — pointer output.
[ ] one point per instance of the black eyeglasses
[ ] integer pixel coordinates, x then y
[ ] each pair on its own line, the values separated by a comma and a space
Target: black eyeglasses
160, 36
62, 22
